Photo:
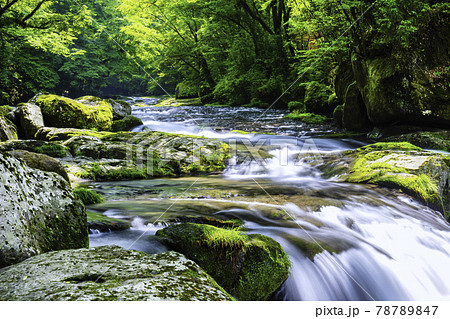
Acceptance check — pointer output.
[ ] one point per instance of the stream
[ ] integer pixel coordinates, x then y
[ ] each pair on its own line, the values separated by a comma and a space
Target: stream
381, 245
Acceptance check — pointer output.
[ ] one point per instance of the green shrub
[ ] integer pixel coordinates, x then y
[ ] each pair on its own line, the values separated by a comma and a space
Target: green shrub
297, 105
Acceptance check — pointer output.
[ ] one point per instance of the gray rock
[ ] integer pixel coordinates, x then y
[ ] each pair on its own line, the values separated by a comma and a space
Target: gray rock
8, 130
108, 273
121, 109
42, 162
38, 213
31, 119
354, 115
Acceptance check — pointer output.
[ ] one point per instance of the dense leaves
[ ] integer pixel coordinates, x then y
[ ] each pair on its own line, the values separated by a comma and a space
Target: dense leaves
230, 51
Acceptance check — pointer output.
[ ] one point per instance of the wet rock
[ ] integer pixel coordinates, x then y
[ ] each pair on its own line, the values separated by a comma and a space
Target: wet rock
439, 140
104, 224
126, 124
130, 155
8, 130
36, 146
249, 267
354, 115
121, 109
423, 175
30, 119
38, 213
108, 273
84, 113
42, 162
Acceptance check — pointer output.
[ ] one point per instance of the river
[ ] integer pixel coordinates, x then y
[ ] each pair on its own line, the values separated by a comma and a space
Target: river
380, 244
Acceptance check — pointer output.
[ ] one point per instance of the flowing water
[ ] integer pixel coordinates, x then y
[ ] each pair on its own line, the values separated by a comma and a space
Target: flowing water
380, 245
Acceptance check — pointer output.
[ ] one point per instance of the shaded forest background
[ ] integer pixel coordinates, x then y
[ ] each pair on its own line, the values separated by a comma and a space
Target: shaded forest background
238, 52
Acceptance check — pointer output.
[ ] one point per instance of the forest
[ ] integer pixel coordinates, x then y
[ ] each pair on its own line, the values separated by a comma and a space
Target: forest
235, 52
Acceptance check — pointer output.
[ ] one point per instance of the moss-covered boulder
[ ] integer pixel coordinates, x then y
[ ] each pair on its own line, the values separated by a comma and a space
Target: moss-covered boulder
30, 120
126, 124
249, 267
38, 213
85, 113
397, 90
354, 115
316, 98
338, 115
423, 175
108, 273
121, 109
8, 131
104, 223
132, 155
438, 140
42, 162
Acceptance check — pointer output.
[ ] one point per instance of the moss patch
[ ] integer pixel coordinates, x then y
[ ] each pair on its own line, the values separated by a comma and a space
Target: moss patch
88, 196
53, 150
308, 118
126, 124
376, 164
64, 112
249, 267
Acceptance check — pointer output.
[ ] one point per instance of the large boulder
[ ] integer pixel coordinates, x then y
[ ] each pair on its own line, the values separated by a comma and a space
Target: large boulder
42, 162
121, 109
249, 267
35, 146
423, 175
8, 130
126, 124
30, 119
316, 98
108, 273
38, 213
63, 112
409, 85
354, 115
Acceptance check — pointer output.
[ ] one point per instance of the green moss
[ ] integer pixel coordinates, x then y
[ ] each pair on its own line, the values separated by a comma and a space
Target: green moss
382, 146
64, 112
249, 267
5, 110
126, 124
172, 102
53, 150
368, 169
98, 172
308, 118
297, 105
88, 196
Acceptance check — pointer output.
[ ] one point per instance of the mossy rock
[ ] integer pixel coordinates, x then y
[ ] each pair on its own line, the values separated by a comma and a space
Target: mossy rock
308, 118
108, 273
354, 115
63, 112
249, 267
38, 213
439, 140
316, 98
126, 124
88, 196
105, 224
8, 131
42, 162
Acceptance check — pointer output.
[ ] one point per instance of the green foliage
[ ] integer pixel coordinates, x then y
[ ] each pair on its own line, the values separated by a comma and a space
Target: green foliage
4, 110
297, 105
309, 118
88, 196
